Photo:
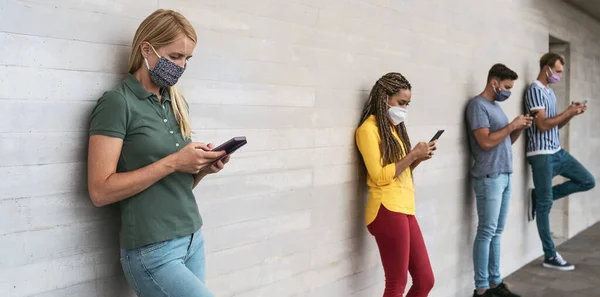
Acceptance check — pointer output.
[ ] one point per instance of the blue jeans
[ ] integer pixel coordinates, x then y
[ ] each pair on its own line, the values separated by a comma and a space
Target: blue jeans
544, 168
493, 197
172, 268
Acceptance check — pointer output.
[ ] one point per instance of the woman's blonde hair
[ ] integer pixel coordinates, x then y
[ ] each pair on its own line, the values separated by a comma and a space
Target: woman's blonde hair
161, 28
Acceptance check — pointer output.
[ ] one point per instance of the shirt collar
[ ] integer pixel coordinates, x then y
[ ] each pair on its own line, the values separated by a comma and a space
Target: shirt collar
540, 84
140, 92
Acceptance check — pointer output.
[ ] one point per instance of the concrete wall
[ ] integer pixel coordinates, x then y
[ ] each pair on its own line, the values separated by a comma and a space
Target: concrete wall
285, 218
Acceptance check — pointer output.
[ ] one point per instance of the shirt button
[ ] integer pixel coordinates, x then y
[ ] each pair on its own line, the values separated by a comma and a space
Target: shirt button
165, 120
177, 144
163, 107
171, 132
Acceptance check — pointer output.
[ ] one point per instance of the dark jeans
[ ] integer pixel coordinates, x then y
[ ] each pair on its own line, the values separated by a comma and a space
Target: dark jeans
544, 168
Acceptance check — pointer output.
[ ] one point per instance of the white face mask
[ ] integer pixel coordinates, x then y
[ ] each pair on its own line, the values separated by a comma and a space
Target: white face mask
397, 114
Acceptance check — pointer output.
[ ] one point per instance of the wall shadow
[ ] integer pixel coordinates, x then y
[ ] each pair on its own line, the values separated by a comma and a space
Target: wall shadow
467, 216
527, 74
359, 232
527, 77
110, 214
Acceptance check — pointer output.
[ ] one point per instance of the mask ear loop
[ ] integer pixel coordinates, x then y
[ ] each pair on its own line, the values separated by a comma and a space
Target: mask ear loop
549, 70
147, 65
154, 50
152, 47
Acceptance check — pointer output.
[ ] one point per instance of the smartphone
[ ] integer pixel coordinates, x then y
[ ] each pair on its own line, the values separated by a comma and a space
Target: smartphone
582, 102
437, 135
232, 145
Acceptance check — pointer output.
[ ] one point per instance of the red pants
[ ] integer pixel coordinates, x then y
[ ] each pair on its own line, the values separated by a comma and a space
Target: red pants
402, 250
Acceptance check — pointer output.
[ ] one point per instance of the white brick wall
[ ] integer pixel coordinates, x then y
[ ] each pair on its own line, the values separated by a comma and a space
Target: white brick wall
285, 218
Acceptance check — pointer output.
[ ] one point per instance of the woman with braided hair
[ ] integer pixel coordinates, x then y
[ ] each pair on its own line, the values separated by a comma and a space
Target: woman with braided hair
383, 142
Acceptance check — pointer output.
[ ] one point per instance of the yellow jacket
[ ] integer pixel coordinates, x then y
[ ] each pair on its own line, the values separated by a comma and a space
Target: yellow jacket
396, 195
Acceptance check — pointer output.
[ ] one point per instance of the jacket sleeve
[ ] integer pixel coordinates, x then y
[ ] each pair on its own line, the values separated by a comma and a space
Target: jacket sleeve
367, 141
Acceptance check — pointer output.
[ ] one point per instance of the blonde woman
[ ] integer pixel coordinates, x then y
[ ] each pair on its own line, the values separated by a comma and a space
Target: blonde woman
141, 156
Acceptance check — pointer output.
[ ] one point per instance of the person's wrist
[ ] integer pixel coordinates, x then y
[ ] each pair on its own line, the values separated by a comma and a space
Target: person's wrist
413, 156
172, 162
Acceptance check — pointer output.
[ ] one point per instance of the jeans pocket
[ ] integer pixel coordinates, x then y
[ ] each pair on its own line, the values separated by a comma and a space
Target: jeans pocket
493, 175
152, 256
152, 247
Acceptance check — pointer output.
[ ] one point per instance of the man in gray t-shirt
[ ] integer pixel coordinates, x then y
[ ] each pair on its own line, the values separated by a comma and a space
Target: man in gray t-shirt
490, 138
489, 160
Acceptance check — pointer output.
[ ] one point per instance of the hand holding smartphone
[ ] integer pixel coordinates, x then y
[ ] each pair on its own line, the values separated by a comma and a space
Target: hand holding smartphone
581, 106
231, 145
431, 146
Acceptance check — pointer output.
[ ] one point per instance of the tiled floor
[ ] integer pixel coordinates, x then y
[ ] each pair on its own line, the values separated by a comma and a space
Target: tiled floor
583, 251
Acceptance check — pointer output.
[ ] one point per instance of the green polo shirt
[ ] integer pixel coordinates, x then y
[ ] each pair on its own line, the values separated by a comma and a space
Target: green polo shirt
167, 209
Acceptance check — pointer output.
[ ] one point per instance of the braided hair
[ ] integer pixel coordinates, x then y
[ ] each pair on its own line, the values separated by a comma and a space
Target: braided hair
387, 85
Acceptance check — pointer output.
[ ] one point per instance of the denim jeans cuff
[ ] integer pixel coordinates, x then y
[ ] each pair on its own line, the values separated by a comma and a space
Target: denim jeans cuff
482, 285
549, 255
495, 282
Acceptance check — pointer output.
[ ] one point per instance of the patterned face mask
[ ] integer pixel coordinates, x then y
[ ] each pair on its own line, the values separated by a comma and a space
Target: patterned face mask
165, 73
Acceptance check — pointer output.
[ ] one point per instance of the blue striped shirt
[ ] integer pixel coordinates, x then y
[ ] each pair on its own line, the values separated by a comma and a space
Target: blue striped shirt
540, 97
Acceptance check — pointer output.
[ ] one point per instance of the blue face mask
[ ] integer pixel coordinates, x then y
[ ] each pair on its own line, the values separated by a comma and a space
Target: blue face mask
501, 95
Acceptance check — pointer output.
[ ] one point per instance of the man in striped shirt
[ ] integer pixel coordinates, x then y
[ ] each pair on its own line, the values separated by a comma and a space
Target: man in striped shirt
546, 157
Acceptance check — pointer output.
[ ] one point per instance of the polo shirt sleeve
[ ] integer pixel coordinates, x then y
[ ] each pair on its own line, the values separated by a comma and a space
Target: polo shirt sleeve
367, 141
477, 116
109, 117
535, 99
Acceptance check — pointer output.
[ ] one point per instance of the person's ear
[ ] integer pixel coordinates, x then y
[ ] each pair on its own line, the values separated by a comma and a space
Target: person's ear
145, 49
494, 83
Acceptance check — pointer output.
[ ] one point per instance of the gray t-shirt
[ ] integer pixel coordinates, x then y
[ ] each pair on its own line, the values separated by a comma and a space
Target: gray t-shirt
482, 113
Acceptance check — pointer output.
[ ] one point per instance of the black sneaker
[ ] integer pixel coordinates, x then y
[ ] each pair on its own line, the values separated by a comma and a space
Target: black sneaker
558, 263
531, 205
503, 291
487, 293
